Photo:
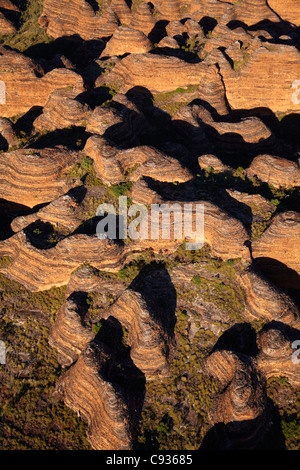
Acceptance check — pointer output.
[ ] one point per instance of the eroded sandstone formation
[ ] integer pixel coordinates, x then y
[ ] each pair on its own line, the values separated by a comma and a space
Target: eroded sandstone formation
89, 388
173, 104
279, 172
241, 406
26, 85
278, 248
155, 72
32, 177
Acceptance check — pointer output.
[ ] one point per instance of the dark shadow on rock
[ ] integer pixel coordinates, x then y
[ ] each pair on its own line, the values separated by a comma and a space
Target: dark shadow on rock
158, 32
208, 24
73, 138
25, 122
280, 275
289, 130
121, 372
80, 52
275, 29
80, 299
240, 338
246, 435
8, 212
290, 333
94, 96
156, 287
11, 15
42, 235
179, 52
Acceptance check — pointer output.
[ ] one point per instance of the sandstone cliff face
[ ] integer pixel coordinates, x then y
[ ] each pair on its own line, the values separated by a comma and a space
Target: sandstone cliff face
142, 161
6, 26
8, 134
69, 335
266, 301
122, 122
276, 352
149, 322
242, 404
40, 269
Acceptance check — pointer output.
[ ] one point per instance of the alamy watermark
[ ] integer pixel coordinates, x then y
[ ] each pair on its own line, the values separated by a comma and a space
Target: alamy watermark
2, 92
2, 352
296, 94
296, 354
158, 222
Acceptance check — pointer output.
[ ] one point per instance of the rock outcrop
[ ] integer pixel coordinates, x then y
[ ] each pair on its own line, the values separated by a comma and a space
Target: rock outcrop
122, 122
41, 269
90, 388
150, 322
155, 72
112, 164
274, 68
287, 10
241, 405
127, 40
9, 138
275, 358
266, 302
31, 177
62, 110
26, 85
78, 17
279, 172
69, 334
179, 320
278, 247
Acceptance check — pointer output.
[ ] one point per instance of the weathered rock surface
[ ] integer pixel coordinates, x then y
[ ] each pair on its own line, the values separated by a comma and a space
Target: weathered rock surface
6, 26
122, 122
274, 69
40, 269
148, 320
78, 17
111, 163
287, 10
171, 101
8, 134
62, 110
264, 301
278, 248
127, 40
155, 72
275, 358
242, 403
33, 177
26, 85
70, 335
276, 171
89, 388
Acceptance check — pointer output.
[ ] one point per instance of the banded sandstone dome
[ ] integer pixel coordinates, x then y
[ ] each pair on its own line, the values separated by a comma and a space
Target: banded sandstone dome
142, 343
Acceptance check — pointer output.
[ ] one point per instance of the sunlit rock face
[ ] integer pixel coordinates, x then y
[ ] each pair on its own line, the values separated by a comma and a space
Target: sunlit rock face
169, 105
